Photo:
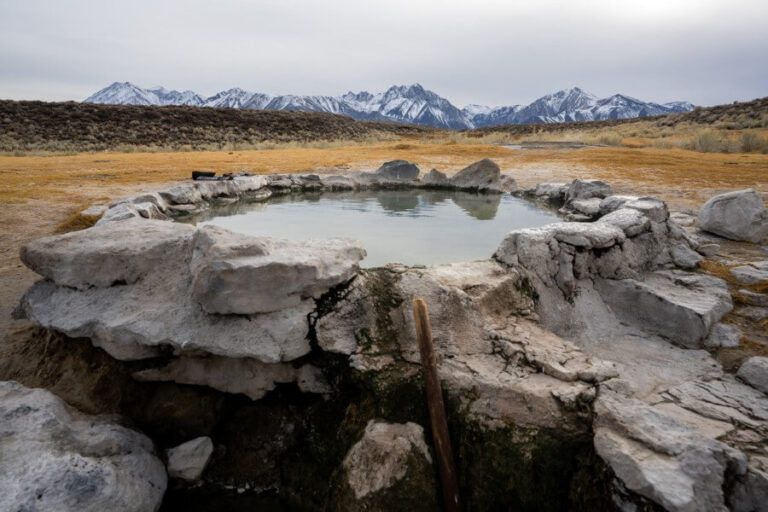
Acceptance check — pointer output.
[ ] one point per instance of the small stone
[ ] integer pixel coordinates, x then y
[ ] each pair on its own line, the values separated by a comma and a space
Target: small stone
685, 257
589, 207
188, 460
709, 249
383, 457
723, 335
587, 189
508, 183
754, 371
435, 178
752, 273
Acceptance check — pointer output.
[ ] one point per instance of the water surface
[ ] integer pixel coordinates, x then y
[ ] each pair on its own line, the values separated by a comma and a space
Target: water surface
414, 227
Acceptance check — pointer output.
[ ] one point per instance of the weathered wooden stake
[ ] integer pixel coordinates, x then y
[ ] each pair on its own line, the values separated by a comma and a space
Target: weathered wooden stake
445, 463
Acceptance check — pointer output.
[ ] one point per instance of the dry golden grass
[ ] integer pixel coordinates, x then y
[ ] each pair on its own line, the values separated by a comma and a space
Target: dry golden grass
59, 177
76, 221
674, 173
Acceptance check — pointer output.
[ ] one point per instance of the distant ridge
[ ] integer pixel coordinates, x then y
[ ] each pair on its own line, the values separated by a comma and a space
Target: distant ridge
411, 104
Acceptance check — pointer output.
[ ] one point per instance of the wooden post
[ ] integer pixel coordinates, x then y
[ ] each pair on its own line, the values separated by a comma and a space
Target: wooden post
440, 437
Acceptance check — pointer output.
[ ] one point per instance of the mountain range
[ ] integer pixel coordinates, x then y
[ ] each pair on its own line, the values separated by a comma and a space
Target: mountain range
410, 104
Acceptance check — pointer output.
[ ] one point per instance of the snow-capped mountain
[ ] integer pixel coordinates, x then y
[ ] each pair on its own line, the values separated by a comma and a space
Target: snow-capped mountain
405, 104
575, 104
169, 97
231, 98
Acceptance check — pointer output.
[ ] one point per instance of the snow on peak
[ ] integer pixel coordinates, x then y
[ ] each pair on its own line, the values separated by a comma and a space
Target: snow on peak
404, 103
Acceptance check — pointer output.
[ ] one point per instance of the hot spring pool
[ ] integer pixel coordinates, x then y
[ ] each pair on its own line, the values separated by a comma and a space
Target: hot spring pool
414, 227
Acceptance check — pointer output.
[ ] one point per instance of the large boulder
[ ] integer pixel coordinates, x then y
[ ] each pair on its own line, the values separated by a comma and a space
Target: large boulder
389, 468
398, 170
236, 274
738, 215
484, 176
53, 457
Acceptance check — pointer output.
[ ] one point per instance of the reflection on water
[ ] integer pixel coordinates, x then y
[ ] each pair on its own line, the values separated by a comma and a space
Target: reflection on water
415, 227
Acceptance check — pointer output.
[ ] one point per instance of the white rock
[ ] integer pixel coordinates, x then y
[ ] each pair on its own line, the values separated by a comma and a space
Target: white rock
183, 193
247, 376
660, 457
631, 221
589, 207
723, 335
54, 458
654, 209
160, 311
104, 255
237, 274
754, 371
381, 458
738, 215
188, 460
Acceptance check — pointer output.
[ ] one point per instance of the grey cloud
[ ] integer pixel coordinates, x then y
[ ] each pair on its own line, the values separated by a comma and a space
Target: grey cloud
486, 51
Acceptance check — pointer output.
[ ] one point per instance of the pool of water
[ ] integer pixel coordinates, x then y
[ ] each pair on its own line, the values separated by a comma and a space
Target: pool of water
414, 227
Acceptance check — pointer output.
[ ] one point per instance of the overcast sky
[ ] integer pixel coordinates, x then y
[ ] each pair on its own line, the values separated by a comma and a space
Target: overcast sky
495, 52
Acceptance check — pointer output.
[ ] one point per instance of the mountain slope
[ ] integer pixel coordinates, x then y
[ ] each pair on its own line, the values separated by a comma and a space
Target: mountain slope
412, 104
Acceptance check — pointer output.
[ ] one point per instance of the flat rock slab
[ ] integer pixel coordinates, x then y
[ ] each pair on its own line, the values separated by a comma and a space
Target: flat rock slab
236, 274
246, 376
53, 457
677, 306
752, 273
104, 255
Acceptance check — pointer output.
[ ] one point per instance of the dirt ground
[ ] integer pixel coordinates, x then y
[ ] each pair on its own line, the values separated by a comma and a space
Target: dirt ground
38, 192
